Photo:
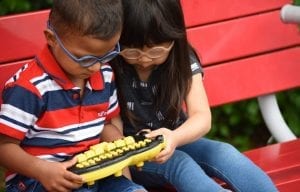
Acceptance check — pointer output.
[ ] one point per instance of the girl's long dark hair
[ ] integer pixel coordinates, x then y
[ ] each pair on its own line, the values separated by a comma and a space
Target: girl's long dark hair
150, 22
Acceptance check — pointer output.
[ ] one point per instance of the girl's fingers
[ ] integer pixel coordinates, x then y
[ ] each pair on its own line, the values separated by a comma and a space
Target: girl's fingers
153, 133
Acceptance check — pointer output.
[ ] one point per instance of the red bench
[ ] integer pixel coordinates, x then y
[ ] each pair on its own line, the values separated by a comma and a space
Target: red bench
246, 50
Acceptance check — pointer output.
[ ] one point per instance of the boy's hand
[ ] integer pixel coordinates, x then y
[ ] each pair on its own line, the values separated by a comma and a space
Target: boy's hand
171, 145
55, 177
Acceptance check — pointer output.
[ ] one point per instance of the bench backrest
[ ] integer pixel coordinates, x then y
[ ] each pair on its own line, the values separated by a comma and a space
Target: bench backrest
245, 48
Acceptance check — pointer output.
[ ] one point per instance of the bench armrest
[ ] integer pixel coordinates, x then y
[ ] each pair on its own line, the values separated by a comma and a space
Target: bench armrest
290, 14
273, 118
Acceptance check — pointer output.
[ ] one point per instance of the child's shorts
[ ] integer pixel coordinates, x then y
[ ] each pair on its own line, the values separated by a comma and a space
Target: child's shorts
111, 184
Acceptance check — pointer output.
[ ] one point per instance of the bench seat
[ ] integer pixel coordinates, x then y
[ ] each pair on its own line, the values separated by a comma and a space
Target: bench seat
281, 161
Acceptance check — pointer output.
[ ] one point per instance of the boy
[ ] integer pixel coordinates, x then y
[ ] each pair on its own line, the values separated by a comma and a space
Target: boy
58, 104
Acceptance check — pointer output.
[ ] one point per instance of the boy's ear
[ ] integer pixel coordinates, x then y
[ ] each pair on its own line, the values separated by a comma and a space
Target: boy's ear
50, 37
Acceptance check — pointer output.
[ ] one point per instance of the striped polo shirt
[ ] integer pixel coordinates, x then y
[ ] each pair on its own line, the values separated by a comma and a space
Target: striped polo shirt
42, 108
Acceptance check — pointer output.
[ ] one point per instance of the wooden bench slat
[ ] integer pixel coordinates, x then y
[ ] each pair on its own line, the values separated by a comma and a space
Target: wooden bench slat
285, 175
281, 162
289, 186
243, 37
243, 82
22, 35
278, 162
202, 12
251, 77
282, 148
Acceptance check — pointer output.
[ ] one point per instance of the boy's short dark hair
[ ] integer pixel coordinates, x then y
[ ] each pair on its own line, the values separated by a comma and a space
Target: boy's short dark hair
96, 18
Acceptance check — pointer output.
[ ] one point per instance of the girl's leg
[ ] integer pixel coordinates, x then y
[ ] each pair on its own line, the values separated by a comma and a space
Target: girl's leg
223, 161
113, 184
181, 171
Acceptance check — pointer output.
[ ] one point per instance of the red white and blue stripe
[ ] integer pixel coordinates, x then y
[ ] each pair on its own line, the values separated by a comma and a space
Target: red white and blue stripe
41, 108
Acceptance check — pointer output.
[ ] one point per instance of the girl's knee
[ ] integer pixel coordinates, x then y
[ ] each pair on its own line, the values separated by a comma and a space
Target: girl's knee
226, 148
180, 156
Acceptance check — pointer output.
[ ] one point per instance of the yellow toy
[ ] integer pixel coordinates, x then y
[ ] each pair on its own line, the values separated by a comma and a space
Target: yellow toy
110, 158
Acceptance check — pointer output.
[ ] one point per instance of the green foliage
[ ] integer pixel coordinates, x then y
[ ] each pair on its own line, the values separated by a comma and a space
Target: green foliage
20, 6
296, 2
289, 103
241, 123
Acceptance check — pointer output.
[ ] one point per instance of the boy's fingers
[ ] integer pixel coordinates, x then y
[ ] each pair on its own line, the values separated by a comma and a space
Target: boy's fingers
77, 179
69, 163
72, 176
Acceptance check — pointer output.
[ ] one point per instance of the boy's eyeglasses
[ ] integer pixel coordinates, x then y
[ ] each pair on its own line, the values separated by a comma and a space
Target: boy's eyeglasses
87, 60
153, 53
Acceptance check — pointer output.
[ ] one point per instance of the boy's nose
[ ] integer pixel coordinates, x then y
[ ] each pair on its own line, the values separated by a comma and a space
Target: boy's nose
95, 67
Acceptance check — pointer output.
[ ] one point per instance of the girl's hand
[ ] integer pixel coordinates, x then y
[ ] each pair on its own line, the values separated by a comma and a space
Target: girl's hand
171, 144
55, 177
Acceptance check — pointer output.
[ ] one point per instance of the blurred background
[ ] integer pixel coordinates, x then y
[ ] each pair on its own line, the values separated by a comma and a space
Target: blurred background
240, 124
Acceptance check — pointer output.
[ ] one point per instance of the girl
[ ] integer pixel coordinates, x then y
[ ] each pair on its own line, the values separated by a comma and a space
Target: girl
157, 72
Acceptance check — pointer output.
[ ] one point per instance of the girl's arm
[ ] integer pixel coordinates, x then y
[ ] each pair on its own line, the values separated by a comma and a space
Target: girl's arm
199, 115
196, 126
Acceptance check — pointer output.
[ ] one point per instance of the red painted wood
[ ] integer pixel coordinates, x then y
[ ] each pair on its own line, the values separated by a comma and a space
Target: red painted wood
243, 37
270, 150
18, 27
289, 186
21, 35
281, 162
273, 160
251, 77
285, 175
199, 12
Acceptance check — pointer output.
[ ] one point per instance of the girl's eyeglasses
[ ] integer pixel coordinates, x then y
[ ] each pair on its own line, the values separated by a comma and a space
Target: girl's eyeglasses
153, 53
87, 60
